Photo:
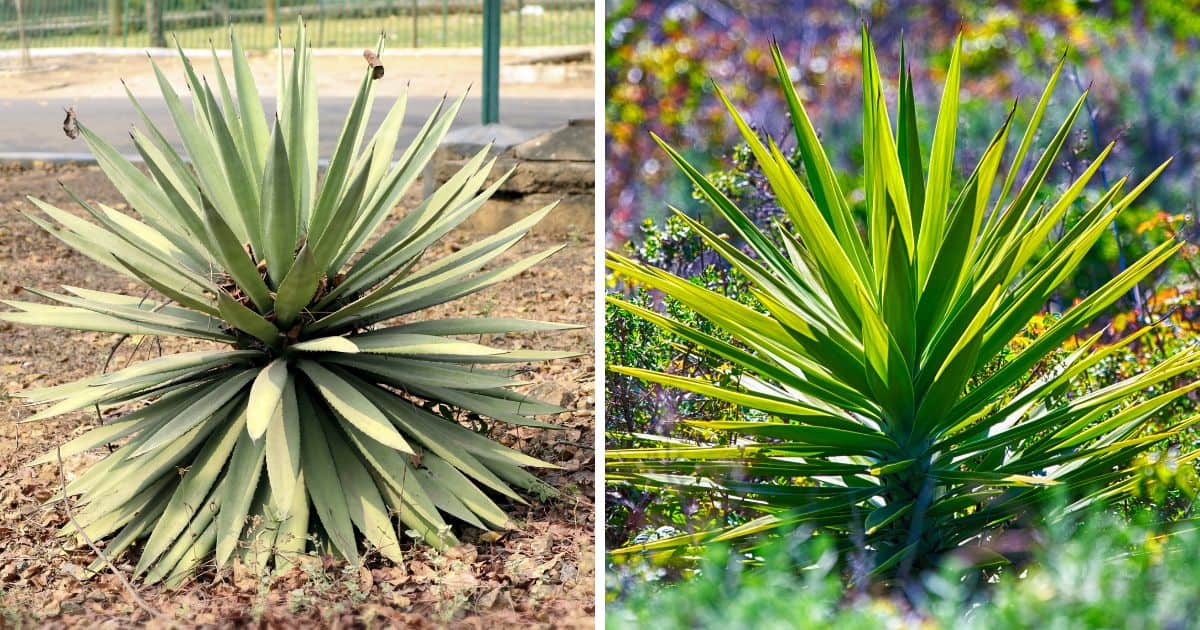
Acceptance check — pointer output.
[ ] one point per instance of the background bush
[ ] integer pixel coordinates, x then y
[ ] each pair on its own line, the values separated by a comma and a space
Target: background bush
1102, 574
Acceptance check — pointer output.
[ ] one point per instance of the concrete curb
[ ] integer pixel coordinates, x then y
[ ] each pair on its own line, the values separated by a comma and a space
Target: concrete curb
29, 160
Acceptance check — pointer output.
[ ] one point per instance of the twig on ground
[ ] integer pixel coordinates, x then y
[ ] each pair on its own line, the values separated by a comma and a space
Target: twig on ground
590, 447
66, 501
112, 352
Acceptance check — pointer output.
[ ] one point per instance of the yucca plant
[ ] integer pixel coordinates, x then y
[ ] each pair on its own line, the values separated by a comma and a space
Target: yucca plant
316, 414
873, 410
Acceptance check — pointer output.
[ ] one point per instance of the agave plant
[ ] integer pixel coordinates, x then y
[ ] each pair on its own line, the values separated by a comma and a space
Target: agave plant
316, 413
874, 410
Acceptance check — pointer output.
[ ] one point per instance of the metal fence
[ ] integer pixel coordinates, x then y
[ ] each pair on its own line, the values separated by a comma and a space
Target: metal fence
332, 23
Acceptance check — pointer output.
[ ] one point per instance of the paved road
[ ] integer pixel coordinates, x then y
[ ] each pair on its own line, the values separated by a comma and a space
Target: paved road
32, 126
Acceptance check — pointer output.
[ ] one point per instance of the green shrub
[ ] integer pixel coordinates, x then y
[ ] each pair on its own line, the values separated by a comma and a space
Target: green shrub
1104, 574
875, 411
317, 416
637, 413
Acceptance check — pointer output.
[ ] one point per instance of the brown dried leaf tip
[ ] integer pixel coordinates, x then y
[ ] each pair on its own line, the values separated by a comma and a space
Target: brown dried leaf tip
70, 126
376, 65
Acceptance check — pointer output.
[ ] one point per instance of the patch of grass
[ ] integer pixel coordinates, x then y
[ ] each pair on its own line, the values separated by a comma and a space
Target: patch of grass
1098, 573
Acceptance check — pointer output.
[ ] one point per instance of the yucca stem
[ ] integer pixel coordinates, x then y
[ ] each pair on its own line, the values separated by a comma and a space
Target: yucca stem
916, 486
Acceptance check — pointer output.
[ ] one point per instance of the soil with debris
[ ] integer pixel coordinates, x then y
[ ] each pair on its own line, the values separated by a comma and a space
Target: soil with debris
540, 574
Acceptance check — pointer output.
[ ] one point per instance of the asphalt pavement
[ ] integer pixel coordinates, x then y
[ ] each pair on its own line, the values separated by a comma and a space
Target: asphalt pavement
32, 127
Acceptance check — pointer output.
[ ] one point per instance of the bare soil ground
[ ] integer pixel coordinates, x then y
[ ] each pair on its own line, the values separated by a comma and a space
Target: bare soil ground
540, 575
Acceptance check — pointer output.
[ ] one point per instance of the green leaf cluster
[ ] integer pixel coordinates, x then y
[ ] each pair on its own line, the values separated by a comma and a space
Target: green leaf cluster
885, 422
323, 419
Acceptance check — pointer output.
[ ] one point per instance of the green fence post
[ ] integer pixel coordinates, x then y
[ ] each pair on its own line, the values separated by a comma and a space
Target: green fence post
416, 42
491, 62
125, 24
520, 22
445, 19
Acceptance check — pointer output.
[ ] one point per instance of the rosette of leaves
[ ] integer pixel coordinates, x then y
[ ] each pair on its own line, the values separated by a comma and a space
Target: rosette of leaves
317, 416
873, 410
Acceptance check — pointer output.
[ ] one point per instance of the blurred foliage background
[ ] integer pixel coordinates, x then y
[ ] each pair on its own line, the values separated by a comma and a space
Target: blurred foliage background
1139, 60
1080, 576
